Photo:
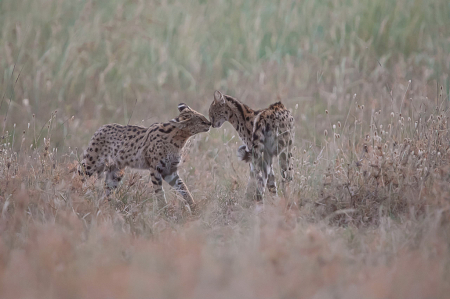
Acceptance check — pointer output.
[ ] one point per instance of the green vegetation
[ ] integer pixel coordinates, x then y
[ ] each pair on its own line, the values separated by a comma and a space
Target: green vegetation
115, 51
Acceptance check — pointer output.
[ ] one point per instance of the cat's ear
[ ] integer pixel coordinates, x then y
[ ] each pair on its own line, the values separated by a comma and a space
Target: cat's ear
182, 107
182, 120
218, 98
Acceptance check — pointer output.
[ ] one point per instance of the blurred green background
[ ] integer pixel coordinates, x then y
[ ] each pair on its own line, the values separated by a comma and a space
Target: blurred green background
94, 59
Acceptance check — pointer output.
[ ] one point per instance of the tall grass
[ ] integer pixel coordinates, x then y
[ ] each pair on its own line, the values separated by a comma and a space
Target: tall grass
366, 216
102, 55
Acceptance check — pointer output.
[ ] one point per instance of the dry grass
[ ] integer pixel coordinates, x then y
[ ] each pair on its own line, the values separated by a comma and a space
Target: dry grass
368, 212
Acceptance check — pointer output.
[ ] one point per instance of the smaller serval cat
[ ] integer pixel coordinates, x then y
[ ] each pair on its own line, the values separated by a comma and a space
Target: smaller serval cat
158, 148
266, 133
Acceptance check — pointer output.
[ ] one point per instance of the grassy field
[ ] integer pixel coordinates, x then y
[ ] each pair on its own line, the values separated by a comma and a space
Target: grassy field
368, 212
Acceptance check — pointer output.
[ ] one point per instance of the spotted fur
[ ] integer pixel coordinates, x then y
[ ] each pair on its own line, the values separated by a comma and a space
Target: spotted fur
266, 133
158, 148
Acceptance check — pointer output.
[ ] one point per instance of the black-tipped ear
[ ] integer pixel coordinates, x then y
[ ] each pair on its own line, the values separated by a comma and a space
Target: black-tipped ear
182, 107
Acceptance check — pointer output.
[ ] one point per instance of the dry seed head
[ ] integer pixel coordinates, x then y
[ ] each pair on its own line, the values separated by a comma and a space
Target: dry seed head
325, 132
362, 107
339, 124
392, 114
334, 127
326, 111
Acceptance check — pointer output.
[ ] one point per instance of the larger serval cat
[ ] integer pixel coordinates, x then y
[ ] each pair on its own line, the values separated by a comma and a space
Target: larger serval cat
158, 148
266, 133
